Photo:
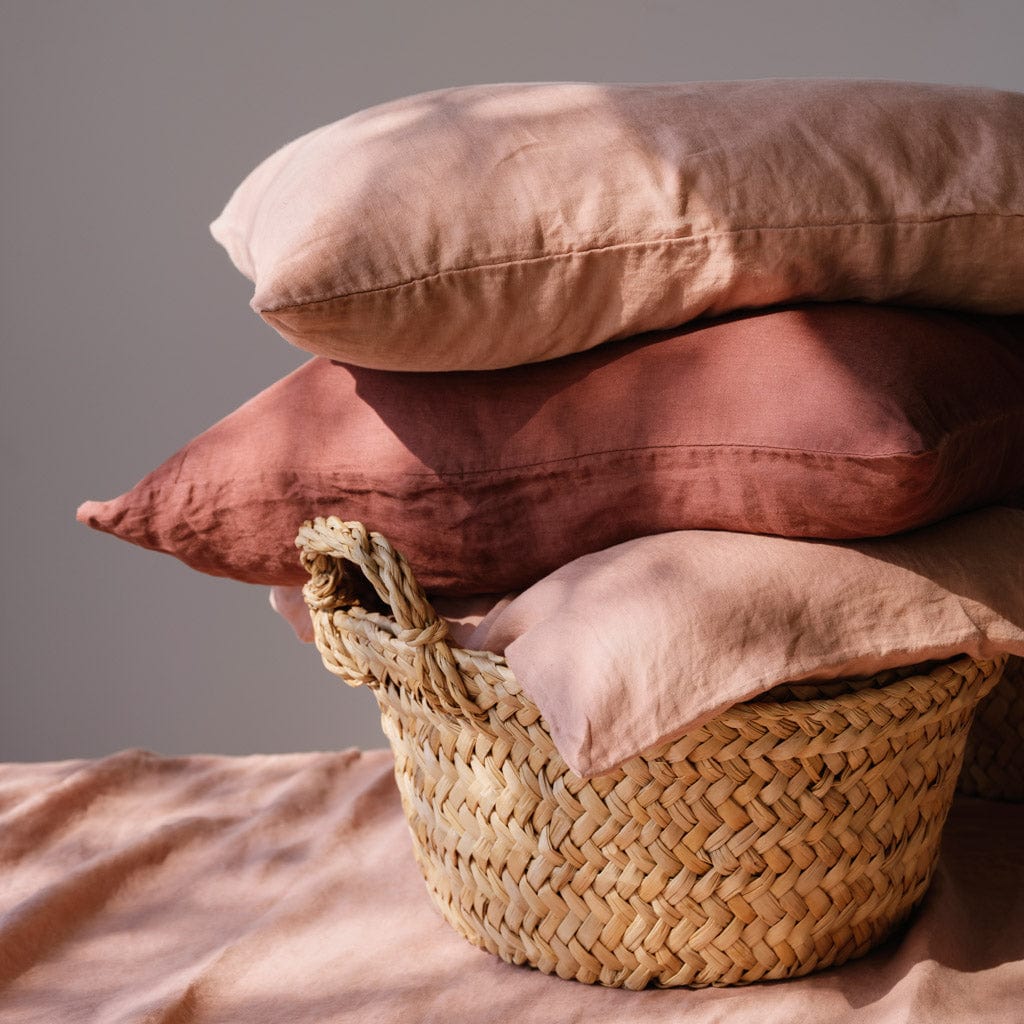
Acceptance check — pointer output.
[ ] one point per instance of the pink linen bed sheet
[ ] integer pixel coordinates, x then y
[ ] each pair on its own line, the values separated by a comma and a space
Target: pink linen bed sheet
283, 889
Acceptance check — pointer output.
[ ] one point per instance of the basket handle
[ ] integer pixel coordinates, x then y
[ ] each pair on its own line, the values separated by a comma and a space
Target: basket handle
331, 551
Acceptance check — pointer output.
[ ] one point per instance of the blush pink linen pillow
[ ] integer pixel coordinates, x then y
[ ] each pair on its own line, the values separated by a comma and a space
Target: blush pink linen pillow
631, 647
495, 225
820, 421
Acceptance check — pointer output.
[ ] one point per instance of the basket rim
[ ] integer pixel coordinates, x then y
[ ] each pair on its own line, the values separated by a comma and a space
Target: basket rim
407, 650
935, 692
753, 706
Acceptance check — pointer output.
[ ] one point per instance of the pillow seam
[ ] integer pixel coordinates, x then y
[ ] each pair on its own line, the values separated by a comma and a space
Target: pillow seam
649, 243
919, 454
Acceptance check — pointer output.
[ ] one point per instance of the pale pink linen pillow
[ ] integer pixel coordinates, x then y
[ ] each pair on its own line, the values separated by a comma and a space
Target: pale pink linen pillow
495, 225
626, 648
820, 421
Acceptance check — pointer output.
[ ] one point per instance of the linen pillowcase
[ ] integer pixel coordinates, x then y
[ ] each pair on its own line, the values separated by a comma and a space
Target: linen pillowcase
496, 225
823, 421
631, 647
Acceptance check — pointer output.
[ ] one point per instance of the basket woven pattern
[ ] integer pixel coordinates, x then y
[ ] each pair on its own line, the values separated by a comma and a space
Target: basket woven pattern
994, 758
780, 838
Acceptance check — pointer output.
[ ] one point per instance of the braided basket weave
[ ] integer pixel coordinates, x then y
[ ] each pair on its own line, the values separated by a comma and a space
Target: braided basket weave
782, 837
994, 758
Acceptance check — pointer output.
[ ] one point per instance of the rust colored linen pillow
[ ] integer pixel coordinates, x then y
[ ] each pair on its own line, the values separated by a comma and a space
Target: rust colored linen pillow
495, 225
819, 421
631, 647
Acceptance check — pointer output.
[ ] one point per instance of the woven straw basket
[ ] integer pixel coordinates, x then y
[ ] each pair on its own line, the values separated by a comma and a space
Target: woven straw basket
783, 837
994, 758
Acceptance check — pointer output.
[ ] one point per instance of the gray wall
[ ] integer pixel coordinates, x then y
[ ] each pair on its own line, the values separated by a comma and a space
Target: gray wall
125, 331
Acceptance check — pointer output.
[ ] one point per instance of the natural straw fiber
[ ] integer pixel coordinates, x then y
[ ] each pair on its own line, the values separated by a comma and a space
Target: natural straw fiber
994, 757
780, 838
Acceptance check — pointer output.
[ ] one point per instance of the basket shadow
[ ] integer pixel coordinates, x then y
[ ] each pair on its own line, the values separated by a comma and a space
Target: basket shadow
966, 922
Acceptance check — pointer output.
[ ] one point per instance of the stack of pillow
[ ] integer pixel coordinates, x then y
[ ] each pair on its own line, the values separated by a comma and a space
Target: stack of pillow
642, 380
